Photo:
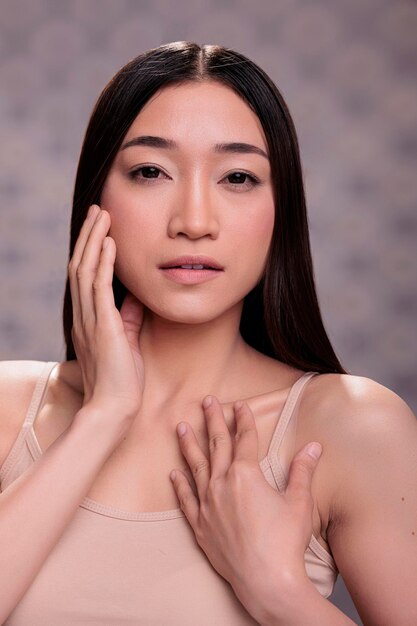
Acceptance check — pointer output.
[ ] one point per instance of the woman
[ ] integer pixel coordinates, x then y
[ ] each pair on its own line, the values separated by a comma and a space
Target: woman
190, 162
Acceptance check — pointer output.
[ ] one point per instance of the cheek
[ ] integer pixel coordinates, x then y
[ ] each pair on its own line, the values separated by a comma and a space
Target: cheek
251, 247
264, 226
257, 233
131, 228
131, 246
132, 219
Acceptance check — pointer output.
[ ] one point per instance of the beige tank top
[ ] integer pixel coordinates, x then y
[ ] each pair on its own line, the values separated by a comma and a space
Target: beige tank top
112, 567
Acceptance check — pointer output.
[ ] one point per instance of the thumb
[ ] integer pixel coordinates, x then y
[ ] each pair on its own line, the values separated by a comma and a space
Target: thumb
302, 469
132, 311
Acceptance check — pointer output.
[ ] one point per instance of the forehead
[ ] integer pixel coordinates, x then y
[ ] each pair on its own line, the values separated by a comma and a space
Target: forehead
203, 111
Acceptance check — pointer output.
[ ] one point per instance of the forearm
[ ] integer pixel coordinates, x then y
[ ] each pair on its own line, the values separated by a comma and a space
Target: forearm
293, 604
37, 506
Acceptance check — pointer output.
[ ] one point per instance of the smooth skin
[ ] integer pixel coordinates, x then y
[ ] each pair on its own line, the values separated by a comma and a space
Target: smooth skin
360, 495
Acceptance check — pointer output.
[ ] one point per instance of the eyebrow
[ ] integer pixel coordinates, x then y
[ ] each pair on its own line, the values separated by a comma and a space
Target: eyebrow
236, 147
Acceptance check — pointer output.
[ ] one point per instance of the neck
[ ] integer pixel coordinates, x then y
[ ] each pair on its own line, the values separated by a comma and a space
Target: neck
185, 362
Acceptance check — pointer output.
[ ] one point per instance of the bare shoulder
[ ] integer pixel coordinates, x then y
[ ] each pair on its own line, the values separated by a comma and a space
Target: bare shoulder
17, 384
351, 408
365, 485
368, 433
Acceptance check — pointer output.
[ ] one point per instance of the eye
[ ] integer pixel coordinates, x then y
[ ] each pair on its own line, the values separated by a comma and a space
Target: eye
149, 173
242, 181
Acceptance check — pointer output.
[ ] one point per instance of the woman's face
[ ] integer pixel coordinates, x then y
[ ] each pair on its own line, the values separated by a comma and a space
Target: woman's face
190, 198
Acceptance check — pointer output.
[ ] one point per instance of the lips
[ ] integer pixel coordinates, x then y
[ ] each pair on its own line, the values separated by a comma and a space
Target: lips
205, 261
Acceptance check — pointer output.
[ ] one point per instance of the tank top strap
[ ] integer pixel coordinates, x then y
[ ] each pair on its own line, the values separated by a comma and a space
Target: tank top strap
282, 425
38, 394
26, 428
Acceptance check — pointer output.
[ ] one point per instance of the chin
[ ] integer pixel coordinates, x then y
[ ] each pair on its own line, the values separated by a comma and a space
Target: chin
185, 317
191, 313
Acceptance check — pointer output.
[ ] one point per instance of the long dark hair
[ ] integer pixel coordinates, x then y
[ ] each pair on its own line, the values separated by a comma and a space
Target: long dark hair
281, 316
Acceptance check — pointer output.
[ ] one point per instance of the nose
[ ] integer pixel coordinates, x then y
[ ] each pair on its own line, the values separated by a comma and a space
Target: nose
194, 213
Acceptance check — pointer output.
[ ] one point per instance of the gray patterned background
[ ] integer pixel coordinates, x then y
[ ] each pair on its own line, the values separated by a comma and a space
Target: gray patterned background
347, 70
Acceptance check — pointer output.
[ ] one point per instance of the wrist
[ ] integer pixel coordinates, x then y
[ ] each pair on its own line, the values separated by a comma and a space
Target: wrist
271, 598
285, 600
100, 425
282, 605
296, 602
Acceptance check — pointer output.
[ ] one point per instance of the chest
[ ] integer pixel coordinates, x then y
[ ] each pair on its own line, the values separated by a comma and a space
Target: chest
136, 475
135, 478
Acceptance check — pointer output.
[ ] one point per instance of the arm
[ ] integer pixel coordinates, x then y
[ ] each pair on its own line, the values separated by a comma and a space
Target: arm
374, 534
36, 508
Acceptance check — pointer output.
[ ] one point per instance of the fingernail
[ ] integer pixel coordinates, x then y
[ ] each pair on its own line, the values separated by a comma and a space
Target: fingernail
181, 429
207, 402
314, 450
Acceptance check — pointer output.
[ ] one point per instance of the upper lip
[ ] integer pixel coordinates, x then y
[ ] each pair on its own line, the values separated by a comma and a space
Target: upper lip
193, 260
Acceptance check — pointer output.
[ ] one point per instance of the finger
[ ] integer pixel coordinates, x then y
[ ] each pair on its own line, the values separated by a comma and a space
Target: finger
302, 470
196, 459
84, 233
187, 499
103, 283
87, 269
187, 473
220, 442
246, 438
76, 258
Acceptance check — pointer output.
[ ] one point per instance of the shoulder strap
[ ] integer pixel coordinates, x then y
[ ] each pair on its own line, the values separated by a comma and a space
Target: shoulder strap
288, 409
283, 422
34, 405
39, 393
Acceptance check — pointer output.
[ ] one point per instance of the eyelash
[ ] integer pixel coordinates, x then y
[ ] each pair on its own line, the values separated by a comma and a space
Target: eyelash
134, 176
